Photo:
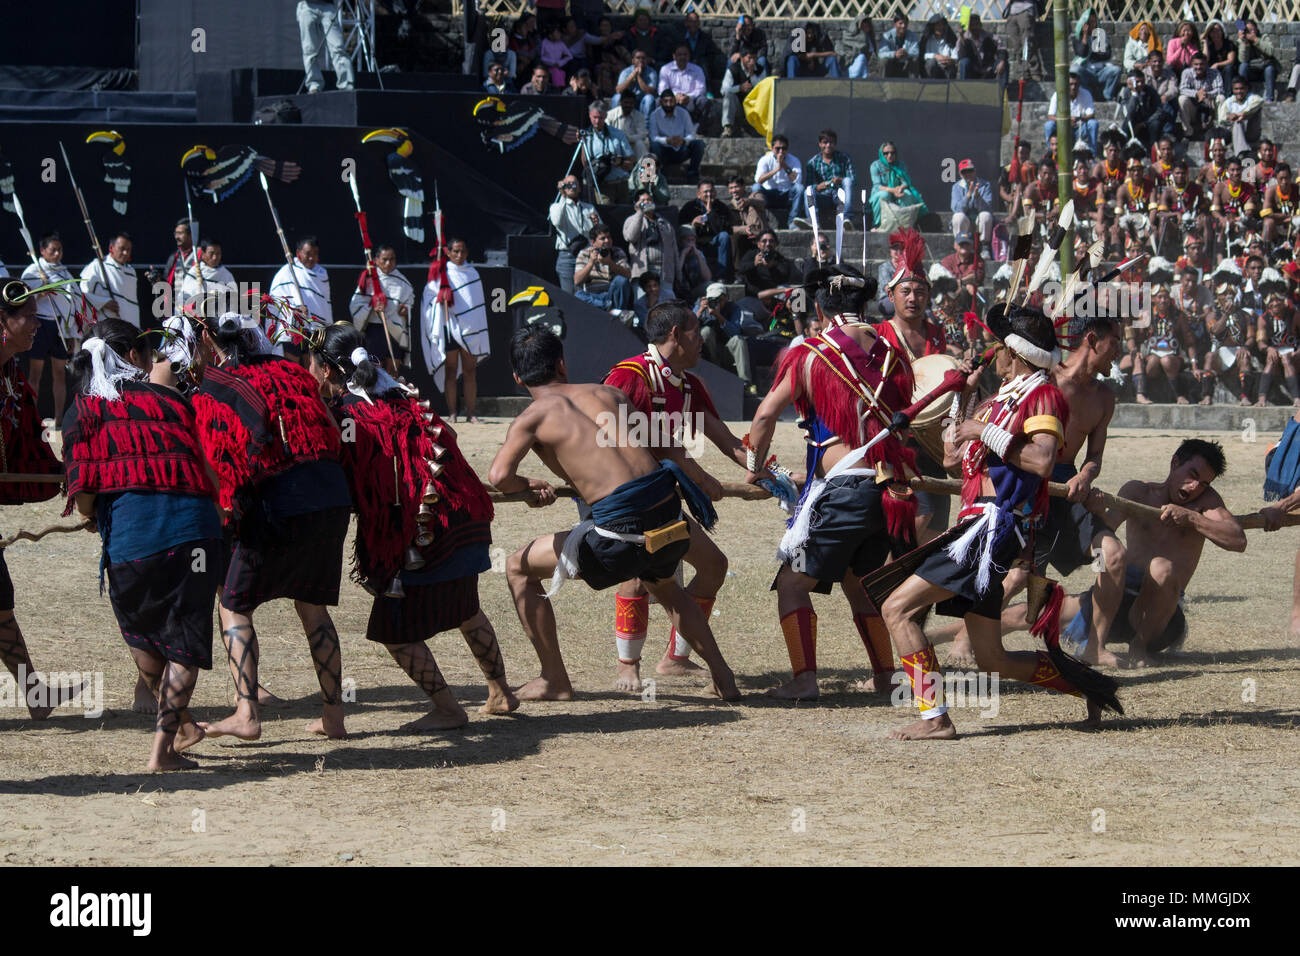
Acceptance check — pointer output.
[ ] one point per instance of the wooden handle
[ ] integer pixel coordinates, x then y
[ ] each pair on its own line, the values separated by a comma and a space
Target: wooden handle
36, 536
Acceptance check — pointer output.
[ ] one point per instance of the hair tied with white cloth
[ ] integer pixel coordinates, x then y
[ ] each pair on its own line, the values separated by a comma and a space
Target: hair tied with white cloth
107, 369
383, 383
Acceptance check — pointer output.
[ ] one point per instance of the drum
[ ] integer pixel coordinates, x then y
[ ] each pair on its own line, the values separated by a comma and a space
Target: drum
927, 426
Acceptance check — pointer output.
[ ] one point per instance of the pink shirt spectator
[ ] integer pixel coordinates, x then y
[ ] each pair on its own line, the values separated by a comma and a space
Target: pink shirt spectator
555, 53
1179, 54
687, 82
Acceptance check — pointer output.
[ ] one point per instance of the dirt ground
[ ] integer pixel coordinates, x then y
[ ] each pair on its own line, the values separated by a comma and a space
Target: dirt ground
1202, 770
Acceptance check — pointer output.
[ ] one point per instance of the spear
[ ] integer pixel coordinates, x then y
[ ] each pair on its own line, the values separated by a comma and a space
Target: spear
31, 251
194, 243
90, 227
377, 299
284, 243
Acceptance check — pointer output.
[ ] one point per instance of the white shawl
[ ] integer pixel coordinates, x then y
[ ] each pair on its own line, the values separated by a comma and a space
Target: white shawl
465, 322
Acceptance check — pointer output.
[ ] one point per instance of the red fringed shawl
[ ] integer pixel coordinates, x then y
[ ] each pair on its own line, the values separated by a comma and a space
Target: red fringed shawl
1046, 399
24, 448
260, 418
386, 497
145, 441
827, 375
936, 342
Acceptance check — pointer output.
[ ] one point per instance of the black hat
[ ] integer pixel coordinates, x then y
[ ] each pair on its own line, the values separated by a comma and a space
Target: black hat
1027, 332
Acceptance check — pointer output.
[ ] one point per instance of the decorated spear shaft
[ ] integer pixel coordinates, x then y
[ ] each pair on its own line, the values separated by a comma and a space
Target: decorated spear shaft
284, 243
370, 268
90, 226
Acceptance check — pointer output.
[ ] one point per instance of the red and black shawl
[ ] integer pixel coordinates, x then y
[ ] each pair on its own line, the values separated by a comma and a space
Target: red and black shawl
387, 453
260, 418
24, 447
147, 440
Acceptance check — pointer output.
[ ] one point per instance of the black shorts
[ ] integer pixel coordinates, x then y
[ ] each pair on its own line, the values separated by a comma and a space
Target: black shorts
164, 602
1065, 540
1120, 632
939, 507
605, 562
427, 609
6, 585
301, 559
847, 531
47, 344
377, 344
960, 579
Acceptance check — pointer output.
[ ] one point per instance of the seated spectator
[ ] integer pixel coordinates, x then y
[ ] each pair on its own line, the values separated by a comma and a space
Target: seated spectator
498, 83
1199, 92
627, 118
704, 52
555, 54
1083, 115
751, 38
1182, 47
1281, 207
747, 215
693, 272
1220, 52
900, 52
610, 57
602, 276
869, 49
819, 256
777, 178
1255, 59
939, 49
647, 298
738, 79
1164, 82
646, 175
964, 264
1141, 43
707, 216
809, 52
827, 172
886, 272
526, 43
540, 82
580, 85
685, 80
609, 154
1263, 171
506, 59
572, 219
1241, 113
1141, 111
645, 37
720, 329
980, 55
1092, 55
640, 79
765, 271
578, 41
672, 136
1294, 82
972, 205
895, 202
651, 241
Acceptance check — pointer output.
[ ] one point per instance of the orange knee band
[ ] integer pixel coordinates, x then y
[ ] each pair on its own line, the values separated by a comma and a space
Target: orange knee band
1047, 675
923, 672
800, 630
875, 638
631, 615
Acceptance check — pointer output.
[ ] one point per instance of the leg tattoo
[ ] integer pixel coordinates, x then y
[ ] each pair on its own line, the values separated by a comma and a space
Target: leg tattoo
324, 643
241, 647
482, 641
174, 696
417, 660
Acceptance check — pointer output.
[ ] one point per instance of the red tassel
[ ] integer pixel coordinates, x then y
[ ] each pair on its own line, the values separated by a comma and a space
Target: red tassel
1048, 624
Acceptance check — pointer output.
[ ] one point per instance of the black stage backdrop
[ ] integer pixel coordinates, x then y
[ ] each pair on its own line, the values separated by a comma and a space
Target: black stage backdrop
475, 205
80, 33
935, 124
236, 33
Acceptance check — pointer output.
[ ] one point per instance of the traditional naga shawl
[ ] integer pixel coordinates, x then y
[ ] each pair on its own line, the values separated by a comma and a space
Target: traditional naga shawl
395, 451
845, 394
23, 448
649, 383
144, 441
936, 339
1027, 405
257, 420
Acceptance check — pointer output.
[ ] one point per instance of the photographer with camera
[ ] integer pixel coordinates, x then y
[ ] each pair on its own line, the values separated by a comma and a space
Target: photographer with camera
609, 153
572, 218
720, 329
651, 243
1255, 59
602, 276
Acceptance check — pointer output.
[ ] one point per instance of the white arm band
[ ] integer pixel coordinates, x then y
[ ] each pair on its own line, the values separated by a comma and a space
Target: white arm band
955, 411
996, 439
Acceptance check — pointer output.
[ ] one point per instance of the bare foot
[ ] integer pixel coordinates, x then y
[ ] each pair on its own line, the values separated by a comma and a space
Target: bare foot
243, 726
875, 684
1244, 401
802, 687
671, 667
1093, 720
1103, 658
1204, 401
1262, 403
55, 696
473, 420
330, 723
170, 760
539, 688
935, 728
1143, 400
1183, 401
960, 656
439, 719
629, 677
146, 702
501, 701
266, 699
724, 685
187, 735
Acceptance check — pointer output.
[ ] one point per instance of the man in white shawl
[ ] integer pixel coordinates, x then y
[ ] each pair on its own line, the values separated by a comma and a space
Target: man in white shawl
210, 282
369, 316
455, 333
313, 305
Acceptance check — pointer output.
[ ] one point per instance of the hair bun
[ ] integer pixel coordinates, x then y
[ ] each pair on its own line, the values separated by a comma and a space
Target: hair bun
359, 355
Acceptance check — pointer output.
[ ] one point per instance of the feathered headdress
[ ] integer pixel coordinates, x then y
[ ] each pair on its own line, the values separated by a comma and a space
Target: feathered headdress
1270, 280
941, 280
1160, 270
1226, 271
912, 268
